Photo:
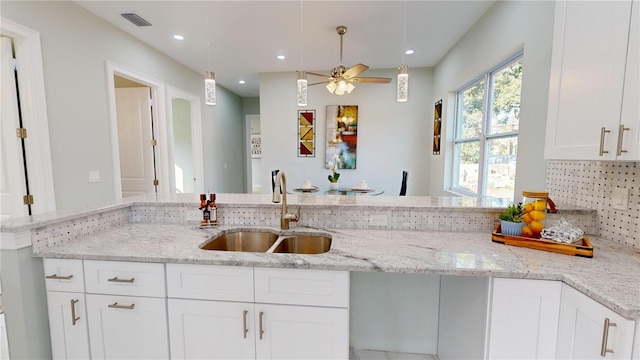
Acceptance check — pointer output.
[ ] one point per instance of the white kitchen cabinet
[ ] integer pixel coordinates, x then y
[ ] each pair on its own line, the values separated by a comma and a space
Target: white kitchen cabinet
630, 118
127, 327
587, 83
66, 307
301, 332
524, 319
589, 330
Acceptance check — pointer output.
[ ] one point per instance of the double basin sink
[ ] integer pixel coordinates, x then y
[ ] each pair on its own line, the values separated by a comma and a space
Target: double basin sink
269, 241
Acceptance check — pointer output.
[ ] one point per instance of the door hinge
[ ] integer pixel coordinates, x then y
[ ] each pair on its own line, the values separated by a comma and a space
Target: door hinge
21, 133
27, 199
156, 182
154, 142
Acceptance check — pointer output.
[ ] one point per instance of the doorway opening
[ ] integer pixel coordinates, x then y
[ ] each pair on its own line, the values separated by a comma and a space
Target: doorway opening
254, 155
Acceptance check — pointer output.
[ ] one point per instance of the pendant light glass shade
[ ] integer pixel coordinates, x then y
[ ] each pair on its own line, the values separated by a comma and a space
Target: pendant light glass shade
210, 88
403, 84
301, 89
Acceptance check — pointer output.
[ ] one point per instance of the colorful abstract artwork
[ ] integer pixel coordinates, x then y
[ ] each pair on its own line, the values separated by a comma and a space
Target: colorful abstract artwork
342, 135
306, 133
437, 126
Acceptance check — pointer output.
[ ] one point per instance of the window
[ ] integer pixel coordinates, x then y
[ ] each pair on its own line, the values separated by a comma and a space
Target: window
486, 136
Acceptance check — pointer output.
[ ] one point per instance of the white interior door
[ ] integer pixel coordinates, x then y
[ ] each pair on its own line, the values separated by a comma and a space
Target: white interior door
134, 141
12, 178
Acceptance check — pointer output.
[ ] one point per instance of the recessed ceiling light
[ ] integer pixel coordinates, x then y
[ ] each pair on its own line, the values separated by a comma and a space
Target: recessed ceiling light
409, 52
178, 37
241, 82
280, 57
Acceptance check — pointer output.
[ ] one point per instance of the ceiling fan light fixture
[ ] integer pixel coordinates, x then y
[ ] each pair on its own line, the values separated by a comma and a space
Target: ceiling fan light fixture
342, 85
210, 88
350, 88
331, 86
403, 84
301, 88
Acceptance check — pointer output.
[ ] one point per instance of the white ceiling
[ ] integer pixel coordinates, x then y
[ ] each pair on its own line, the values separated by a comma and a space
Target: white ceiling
245, 36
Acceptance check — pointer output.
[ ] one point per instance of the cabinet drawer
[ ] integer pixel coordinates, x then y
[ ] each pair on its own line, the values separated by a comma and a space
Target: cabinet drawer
124, 278
302, 287
63, 275
230, 283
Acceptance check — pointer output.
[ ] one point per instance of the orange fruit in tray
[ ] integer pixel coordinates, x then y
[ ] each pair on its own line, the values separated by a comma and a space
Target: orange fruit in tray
526, 218
536, 227
537, 215
526, 232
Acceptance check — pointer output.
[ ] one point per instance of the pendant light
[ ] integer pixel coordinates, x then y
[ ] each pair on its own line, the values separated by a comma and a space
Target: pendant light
209, 76
301, 84
402, 93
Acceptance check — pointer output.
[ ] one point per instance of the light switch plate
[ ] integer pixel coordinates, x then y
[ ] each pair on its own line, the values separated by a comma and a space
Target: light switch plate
94, 176
620, 199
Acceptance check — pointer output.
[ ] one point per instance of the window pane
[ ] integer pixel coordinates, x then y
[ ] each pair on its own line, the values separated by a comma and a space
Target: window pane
470, 107
501, 166
468, 156
506, 85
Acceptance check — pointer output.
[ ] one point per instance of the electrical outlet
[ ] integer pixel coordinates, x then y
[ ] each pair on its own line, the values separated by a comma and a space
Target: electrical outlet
379, 220
94, 176
620, 199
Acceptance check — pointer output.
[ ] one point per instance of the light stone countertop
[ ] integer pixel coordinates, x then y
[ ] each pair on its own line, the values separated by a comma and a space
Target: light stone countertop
611, 277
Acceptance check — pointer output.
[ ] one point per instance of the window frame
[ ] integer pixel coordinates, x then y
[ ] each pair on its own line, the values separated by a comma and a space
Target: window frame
485, 138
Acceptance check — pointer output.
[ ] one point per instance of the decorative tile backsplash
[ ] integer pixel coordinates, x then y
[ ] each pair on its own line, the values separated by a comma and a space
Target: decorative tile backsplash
590, 184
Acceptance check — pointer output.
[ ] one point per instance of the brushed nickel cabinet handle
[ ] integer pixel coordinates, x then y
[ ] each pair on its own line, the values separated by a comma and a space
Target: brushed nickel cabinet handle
605, 337
245, 330
621, 131
115, 279
603, 131
261, 329
74, 318
116, 306
59, 277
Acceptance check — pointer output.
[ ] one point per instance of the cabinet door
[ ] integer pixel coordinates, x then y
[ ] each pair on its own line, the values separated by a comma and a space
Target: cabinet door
630, 105
582, 330
300, 332
587, 77
124, 327
524, 319
68, 325
201, 329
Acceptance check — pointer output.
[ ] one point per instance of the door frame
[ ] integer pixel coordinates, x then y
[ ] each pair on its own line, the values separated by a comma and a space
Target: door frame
248, 158
160, 125
196, 135
34, 113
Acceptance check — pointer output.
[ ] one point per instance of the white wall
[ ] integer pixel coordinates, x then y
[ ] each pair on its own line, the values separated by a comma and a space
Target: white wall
500, 33
182, 144
392, 136
75, 46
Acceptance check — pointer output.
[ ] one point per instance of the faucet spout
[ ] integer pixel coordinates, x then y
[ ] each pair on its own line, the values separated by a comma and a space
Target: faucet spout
285, 217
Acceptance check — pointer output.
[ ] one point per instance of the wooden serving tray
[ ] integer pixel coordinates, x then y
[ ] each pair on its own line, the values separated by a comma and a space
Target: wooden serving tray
582, 248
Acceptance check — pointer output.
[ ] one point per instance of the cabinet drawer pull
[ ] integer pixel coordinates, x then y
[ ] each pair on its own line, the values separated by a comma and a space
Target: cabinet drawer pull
621, 131
59, 277
115, 279
116, 306
245, 330
261, 329
605, 338
602, 132
74, 318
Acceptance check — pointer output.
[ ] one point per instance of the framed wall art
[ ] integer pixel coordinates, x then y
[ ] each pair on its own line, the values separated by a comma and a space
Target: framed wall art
256, 146
306, 133
437, 127
342, 135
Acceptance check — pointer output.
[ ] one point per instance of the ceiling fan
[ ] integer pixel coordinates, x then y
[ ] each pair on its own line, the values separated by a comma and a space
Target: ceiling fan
342, 78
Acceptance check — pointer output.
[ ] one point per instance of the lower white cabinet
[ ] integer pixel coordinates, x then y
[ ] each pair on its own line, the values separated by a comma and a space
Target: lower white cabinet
589, 330
68, 325
524, 319
127, 327
301, 332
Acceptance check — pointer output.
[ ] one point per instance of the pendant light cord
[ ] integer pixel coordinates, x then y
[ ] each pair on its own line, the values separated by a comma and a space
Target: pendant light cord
404, 29
301, 37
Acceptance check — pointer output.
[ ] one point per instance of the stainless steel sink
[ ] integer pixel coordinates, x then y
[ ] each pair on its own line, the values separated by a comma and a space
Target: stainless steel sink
248, 241
304, 244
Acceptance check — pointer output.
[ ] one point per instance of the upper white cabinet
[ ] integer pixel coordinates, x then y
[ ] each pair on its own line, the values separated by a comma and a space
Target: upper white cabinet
589, 330
593, 89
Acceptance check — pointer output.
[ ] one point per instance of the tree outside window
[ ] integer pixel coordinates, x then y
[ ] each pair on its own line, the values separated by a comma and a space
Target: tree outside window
486, 137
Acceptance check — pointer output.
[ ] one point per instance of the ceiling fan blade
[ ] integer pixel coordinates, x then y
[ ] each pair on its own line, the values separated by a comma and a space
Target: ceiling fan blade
316, 74
318, 83
376, 80
355, 70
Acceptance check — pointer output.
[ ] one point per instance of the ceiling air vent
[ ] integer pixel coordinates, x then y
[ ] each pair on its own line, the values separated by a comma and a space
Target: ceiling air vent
136, 19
